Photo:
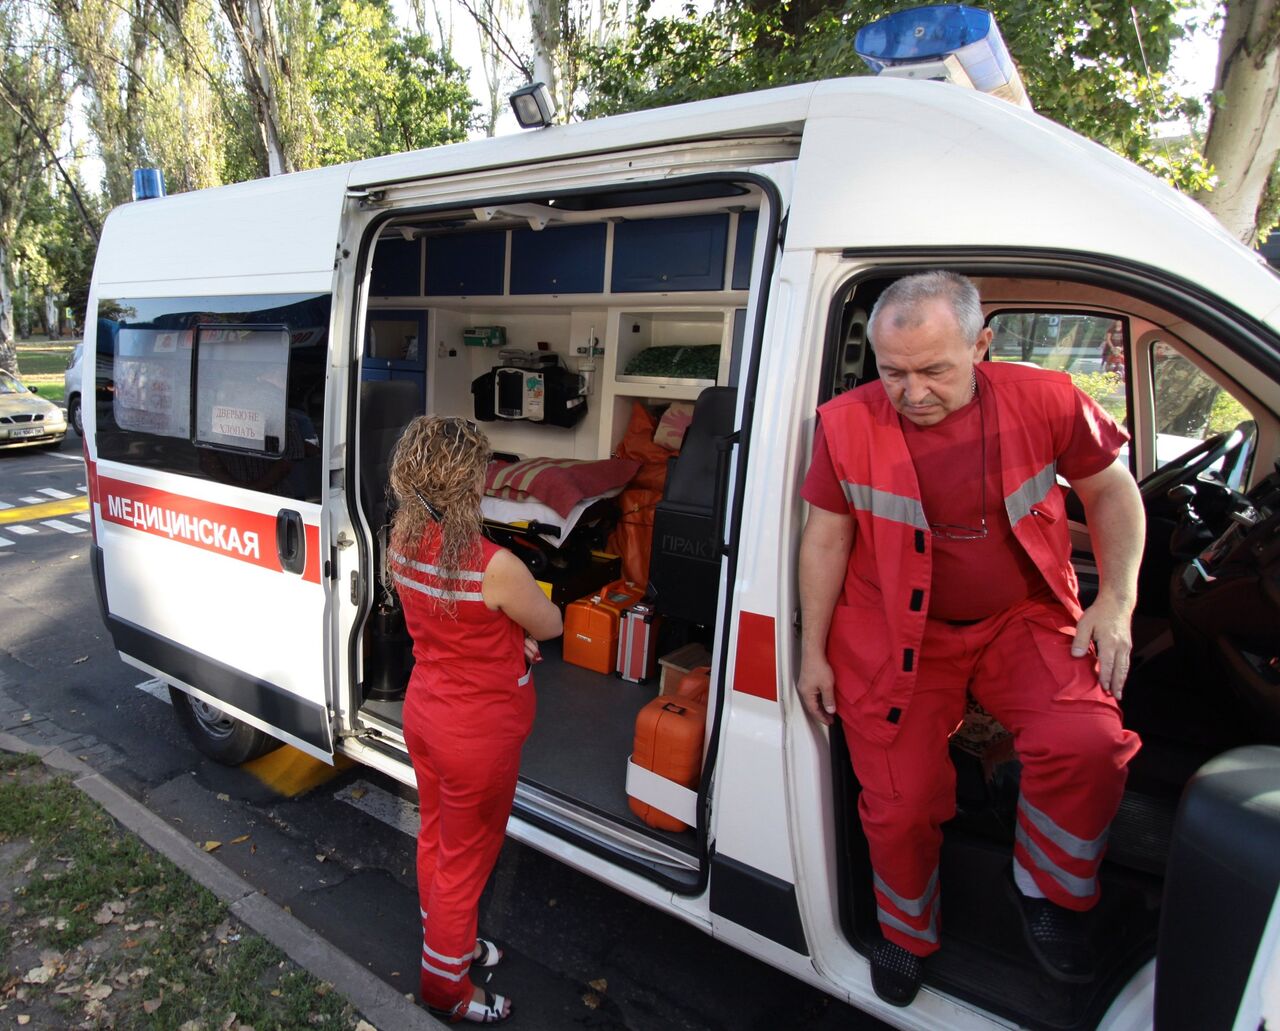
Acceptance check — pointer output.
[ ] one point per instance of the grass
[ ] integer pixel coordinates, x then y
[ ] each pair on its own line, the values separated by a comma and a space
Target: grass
42, 364
103, 932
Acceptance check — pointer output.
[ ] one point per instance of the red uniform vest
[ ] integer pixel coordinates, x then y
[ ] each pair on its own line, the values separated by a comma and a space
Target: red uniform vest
877, 627
470, 678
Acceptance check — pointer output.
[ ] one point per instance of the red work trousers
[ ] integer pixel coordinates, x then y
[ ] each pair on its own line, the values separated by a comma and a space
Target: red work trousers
1067, 732
465, 791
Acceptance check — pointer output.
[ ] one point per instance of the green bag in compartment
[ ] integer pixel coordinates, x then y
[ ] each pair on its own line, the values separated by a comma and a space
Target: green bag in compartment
701, 362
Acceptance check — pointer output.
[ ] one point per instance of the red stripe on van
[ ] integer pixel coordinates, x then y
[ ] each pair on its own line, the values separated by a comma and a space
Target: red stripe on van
755, 671
232, 532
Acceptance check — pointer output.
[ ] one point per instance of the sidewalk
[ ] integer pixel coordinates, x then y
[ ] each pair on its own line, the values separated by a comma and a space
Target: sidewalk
382, 1007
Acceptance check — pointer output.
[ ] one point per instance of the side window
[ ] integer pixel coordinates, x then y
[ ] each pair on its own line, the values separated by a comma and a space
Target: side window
229, 389
152, 374
1190, 407
1092, 348
241, 375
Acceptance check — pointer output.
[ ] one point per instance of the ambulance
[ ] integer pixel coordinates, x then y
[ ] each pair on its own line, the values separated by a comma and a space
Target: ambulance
673, 292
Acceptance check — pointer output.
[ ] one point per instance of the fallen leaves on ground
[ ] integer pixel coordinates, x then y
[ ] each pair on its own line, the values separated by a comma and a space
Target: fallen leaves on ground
210, 846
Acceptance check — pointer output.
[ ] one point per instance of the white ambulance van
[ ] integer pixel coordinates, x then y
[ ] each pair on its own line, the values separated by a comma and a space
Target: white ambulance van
582, 288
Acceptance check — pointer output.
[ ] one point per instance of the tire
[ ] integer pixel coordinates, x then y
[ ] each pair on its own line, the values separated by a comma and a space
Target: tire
74, 415
222, 738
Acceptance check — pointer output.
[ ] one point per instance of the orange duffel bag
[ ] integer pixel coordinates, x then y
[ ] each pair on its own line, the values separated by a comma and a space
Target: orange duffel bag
668, 742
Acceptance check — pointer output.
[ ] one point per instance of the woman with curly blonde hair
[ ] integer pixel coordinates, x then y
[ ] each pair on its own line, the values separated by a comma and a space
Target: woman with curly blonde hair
475, 615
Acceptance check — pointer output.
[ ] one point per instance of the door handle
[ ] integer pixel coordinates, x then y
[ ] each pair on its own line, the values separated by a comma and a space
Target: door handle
291, 541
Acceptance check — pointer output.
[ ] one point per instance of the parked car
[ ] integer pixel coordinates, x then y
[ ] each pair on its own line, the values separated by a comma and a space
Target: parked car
26, 418
71, 390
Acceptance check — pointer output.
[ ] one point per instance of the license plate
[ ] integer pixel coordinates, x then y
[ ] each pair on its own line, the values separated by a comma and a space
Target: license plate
27, 431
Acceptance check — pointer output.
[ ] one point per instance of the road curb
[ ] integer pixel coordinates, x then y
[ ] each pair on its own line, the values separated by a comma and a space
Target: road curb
379, 1003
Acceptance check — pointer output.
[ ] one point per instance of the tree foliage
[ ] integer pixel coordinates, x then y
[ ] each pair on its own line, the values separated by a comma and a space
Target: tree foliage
1098, 67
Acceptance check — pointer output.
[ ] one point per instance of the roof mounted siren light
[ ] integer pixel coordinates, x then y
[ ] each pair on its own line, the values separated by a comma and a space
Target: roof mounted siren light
947, 42
148, 183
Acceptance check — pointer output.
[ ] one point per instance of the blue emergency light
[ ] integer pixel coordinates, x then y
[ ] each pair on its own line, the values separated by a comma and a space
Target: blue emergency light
148, 183
948, 41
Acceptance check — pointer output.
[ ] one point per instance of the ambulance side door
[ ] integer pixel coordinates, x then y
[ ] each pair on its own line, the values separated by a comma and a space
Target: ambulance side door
206, 449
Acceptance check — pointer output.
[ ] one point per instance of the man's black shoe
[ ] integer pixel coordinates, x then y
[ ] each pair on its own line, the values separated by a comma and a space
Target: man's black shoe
895, 973
1057, 937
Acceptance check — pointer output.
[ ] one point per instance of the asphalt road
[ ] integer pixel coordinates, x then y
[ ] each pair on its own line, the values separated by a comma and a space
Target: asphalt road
337, 849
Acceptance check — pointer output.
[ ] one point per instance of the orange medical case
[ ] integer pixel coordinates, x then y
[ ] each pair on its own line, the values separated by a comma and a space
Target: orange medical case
668, 742
591, 625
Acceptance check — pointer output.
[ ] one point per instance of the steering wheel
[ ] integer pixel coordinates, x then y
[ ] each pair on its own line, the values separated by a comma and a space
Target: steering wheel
1187, 466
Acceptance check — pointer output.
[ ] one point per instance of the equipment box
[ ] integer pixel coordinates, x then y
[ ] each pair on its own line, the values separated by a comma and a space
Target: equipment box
591, 626
563, 586
676, 664
637, 642
485, 336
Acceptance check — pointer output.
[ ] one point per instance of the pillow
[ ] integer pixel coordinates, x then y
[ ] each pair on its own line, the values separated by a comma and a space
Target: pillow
671, 427
558, 482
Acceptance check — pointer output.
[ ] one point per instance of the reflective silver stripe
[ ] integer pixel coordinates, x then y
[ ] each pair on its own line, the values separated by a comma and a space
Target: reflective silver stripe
454, 960
423, 567
525, 679
930, 934
912, 907
435, 592
1080, 887
442, 973
1032, 492
1077, 848
423, 912
897, 508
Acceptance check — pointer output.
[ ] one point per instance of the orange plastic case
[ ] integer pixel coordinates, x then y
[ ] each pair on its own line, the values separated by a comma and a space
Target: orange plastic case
668, 742
591, 625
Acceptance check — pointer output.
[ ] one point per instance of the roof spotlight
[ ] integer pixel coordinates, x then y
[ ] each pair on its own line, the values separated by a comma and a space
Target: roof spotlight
533, 106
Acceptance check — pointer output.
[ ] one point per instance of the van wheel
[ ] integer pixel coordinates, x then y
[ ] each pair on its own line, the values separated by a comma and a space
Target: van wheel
74, 417
219, 736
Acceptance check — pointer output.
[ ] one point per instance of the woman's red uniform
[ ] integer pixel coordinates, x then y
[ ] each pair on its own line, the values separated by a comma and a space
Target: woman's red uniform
468, 709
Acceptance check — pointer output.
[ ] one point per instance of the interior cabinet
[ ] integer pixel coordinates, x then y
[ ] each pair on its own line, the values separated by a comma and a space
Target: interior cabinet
396, 347
662, 255
466, 264
397, 268
558, 260
744, 248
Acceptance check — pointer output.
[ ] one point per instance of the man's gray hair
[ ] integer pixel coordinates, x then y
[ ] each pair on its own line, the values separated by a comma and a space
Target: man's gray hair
909, 295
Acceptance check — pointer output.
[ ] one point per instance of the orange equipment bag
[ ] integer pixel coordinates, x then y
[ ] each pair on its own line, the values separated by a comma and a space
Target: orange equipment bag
668, 742
591, 625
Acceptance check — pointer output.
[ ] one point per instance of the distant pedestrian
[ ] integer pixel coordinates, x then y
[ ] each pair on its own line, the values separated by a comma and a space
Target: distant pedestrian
475, 615
1113, 349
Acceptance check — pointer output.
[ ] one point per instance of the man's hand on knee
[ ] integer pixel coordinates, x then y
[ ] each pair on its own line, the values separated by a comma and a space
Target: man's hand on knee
1107, 624
817, 687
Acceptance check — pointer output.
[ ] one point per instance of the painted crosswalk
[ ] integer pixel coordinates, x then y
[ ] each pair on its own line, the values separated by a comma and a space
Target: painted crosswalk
382, 805
44, 510
65, 527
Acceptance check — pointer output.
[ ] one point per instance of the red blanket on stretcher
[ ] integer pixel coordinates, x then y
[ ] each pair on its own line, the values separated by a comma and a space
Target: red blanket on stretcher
559, 483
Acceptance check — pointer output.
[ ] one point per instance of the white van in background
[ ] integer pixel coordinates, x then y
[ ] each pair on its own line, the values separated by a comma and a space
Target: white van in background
267, 342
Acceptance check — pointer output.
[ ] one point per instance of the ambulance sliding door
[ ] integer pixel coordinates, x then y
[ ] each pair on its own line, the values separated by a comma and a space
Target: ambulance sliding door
206, 464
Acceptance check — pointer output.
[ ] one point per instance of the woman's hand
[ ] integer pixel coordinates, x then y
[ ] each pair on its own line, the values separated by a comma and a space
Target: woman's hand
532, 653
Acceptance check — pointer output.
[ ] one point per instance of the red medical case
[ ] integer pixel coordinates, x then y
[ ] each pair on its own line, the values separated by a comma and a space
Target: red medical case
668, 742
591, 625
637, 643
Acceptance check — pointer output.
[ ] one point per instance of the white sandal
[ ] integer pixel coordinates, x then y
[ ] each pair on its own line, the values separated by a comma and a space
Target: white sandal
489, 955
487, 1012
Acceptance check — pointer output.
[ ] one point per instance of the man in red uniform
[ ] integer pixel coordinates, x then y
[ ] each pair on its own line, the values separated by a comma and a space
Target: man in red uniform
935, 561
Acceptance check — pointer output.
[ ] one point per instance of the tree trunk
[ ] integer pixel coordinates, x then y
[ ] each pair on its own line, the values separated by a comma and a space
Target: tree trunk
53, 324
8, 353
257, 39
544, 20
1243, 141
